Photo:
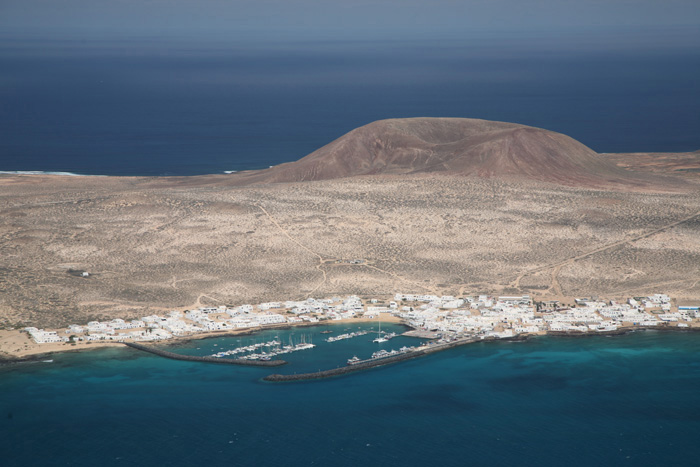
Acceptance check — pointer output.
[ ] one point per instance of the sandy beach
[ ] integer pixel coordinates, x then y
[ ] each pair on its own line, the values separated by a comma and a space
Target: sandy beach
18, 345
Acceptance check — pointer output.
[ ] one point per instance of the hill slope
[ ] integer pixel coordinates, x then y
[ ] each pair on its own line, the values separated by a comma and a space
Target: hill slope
459, 146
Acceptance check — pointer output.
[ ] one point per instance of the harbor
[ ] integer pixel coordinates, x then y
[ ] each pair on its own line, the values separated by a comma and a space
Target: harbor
356, 356
442, 322
208, 359
381, 359
302, 349
274, 347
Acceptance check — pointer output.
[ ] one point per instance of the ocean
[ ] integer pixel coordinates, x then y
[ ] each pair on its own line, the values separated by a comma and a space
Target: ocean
549, 401
175, 108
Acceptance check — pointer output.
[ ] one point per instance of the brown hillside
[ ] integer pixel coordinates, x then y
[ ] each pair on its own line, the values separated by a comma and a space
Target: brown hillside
460, 146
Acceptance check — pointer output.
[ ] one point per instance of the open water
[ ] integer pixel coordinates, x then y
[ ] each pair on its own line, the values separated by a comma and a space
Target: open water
151, 108
625, 400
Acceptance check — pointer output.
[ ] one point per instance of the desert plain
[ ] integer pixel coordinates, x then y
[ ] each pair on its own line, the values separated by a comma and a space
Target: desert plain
152, 244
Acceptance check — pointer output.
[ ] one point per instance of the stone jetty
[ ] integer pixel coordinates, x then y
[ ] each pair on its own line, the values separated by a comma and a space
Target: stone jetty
431, 348
193, 358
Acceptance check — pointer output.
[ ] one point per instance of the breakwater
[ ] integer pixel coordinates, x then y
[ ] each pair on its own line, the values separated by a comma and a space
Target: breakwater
430, 348
193, 358
343, 370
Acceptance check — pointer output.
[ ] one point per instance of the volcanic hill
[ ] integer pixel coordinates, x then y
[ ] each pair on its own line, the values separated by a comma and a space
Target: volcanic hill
457, 146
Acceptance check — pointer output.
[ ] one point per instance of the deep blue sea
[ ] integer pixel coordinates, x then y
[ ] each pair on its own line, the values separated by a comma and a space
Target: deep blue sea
177, 108
626, 400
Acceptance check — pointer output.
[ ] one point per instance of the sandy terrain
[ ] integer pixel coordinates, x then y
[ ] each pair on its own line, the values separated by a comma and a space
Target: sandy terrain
685, 164
152, 245
18, 345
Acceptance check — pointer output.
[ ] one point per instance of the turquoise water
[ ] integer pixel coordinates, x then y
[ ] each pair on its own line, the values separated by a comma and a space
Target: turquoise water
626, 400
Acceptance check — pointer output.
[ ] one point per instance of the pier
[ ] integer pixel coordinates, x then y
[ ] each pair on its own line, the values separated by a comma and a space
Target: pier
366, 365
193, 358
422, 334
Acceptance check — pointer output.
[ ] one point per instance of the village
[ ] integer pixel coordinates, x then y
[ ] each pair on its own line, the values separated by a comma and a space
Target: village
430, 316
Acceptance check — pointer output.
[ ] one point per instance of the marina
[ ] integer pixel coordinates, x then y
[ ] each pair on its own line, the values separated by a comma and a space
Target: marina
383, 336
386, 337
444, 321
269, 347
275, 348
350, 335
266, 356
247, 348
380, 358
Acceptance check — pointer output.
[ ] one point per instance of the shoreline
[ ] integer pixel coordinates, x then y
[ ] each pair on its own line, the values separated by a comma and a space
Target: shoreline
36, 352
342, 371
37, 357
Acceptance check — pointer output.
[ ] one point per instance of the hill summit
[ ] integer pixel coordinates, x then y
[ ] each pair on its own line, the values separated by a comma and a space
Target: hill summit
457, 146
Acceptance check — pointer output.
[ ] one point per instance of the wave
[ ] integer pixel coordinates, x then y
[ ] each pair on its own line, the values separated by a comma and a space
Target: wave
41, 172
230, 171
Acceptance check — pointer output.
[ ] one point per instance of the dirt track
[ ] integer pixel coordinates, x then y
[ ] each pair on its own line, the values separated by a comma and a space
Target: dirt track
151, 245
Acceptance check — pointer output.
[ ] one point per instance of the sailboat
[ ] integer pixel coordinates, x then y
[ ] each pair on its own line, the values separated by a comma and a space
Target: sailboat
380, 338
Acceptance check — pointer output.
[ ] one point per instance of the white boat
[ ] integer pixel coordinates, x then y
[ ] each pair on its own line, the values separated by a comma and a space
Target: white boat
304, 346
381, 354
380, 338
341, 337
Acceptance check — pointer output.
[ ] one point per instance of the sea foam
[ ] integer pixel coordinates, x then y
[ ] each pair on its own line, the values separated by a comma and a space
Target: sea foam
40, 172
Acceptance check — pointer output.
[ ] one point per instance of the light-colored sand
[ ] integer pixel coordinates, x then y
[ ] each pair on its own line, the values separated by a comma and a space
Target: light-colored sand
18, 344
153, 245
